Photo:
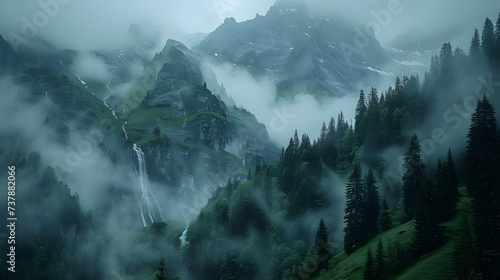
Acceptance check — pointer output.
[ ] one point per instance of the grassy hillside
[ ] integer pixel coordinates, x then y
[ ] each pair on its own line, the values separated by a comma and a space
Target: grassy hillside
434, 265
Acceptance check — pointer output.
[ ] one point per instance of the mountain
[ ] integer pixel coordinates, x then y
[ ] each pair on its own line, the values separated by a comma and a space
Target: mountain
7, 56
300, 51
193, 137
182, 101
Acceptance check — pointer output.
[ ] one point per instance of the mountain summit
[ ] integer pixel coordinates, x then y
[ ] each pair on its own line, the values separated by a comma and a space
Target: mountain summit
300, 51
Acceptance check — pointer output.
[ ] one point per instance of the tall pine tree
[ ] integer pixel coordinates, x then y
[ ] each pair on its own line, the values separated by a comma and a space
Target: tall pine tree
354, 237
488, 39
447, 180
380, 261
428, 234
475, 46
372, 208
483, 184
412, 177
322, 248
369, 273
358, 119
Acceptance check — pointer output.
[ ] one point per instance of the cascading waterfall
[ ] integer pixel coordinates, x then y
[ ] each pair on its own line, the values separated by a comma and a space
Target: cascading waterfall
182, 239
149, 207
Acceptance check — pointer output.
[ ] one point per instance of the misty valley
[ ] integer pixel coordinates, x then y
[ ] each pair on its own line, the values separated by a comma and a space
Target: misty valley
292, 145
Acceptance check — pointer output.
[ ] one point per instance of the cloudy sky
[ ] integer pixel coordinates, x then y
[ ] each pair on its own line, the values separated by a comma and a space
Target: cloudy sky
85, 24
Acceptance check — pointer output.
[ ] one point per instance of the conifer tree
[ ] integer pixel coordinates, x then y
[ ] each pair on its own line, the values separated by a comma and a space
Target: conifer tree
445, 63
488, 39
371, 202
358, 119
380, 261
483, 183
322, 248
386, 219
342, 126
496, 57
413, 175
428, 234
323, 133
475, 46
447, 180
369, 273
354, 237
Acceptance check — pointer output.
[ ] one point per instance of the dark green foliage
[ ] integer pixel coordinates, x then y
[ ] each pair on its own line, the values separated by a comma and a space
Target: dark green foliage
483, 184
370, 267
465, 251
447, 180
354, 218
445, 63
412, 178
429, 235
322, 248
488, 39
299, 173
371, 201
162, 272
380, 270
496, 52
157, 132
283, 259
358, 119
475, 46
386, 219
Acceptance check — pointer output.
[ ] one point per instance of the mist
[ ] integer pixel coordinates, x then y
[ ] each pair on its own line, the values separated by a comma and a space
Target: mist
282, 116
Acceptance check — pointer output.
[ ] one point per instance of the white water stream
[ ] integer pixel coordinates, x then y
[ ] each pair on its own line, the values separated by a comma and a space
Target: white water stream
149, 207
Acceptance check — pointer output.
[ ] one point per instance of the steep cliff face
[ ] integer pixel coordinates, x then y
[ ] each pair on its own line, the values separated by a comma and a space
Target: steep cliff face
193, 140
193, 137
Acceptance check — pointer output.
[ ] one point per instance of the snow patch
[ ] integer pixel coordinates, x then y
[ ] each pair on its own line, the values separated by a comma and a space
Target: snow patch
409, 63
378, 71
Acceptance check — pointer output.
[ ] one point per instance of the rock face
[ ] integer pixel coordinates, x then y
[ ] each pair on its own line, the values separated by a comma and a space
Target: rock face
302, 52
203, 141
7, 56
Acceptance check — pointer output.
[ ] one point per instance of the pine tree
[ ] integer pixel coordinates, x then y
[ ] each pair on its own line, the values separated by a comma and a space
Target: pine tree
358, 119
483, 184
371, 202
475, 46
353, 218
413, 175
369, 273
386, 219
323, 133
447, 180
162, 271
434, 71
342, 126
445, 63
496, 58
380, 261
296, 142
428, 234
488, 39
322, 248
161, 275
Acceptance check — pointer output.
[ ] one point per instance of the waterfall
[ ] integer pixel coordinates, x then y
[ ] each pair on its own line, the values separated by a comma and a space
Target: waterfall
149, 207
182, 239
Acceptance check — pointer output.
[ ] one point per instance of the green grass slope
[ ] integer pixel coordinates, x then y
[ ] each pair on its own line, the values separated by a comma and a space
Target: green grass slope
434, 265
351, 266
